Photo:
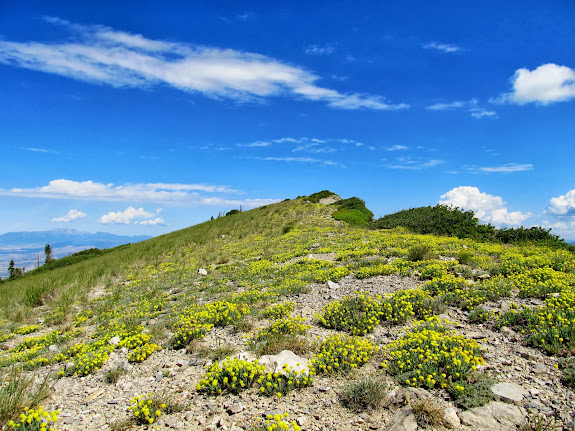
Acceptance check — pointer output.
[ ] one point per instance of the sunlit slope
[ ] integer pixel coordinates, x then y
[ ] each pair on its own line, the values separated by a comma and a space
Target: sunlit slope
62, 287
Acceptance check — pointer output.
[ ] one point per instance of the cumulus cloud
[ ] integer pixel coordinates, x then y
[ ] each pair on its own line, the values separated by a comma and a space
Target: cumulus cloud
169, 193
102, 55
563, 205
443, 47
488, 208
70, 216
130, 214
548, 83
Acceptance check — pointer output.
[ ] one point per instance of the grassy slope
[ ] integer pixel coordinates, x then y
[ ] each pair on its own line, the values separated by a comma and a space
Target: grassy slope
63, 287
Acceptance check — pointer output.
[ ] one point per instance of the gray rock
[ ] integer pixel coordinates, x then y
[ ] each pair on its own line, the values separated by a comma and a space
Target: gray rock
494, 416
332, 285
510, 392
159, 375
236, 408
53, 348
404, 420
272, 413
202, 271
114, 341
450, 418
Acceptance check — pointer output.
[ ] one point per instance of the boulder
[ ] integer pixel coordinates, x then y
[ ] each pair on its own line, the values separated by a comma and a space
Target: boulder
509, 392
403, 420
332, 285
494, 416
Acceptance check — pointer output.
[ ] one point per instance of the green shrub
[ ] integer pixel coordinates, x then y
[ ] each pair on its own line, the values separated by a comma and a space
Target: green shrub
351, 217
366, 393
418, 252
358, 314
316, 197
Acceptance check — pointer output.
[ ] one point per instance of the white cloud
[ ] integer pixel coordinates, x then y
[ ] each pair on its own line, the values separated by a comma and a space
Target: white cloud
447, 106
255, 144
70, 216
102, 55
127, 216
319, 50
507, 168
488, 208
546, 84
301, 160
396, 148
563, 205
406, 163
156, 221
443, 47
39, 150
168, 193
471, 106
480, 113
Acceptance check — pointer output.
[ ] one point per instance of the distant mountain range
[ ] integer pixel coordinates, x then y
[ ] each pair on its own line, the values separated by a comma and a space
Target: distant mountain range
27, 247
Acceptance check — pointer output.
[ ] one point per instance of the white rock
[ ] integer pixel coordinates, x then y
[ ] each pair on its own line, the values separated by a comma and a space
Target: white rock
202, 271
114, 341
509, 392
494, 416
450, 418
332, 285
404, 420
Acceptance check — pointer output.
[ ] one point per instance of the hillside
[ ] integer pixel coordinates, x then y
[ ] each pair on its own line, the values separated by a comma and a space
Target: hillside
384, 330
25, 247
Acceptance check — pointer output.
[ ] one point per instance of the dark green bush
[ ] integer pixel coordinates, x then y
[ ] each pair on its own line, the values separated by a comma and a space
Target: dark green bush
352, 217
232, 212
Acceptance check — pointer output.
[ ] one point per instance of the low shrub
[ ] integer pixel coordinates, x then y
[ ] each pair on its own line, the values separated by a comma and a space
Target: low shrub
366, 393
357, 315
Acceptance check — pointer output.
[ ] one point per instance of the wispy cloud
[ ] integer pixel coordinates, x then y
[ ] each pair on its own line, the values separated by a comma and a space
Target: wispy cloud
548, 83
40, 150
168, 193
472, 106
70, 216
320, 50
443, 47
396, 148
255, 144
406, 163
301, 160
507, 168
102, 55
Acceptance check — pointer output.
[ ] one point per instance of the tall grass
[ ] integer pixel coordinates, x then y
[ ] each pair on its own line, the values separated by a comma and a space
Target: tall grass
18, 391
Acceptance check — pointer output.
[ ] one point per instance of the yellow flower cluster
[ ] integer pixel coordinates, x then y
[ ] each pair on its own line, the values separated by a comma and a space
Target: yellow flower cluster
540, 282
340, 353
550, 327
24, 330
431, 356
233, 375
279, 384
146, 409
141, 353
373, 270
277, 311
406, 304
35, 420
358, 314
286, 326
277, 422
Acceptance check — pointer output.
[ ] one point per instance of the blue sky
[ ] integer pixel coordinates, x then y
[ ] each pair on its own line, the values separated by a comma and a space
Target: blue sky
141, 117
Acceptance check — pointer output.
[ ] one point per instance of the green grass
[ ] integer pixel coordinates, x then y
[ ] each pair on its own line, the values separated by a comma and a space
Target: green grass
18, 391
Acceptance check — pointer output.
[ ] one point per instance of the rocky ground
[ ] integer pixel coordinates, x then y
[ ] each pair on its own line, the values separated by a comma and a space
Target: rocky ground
528, 382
